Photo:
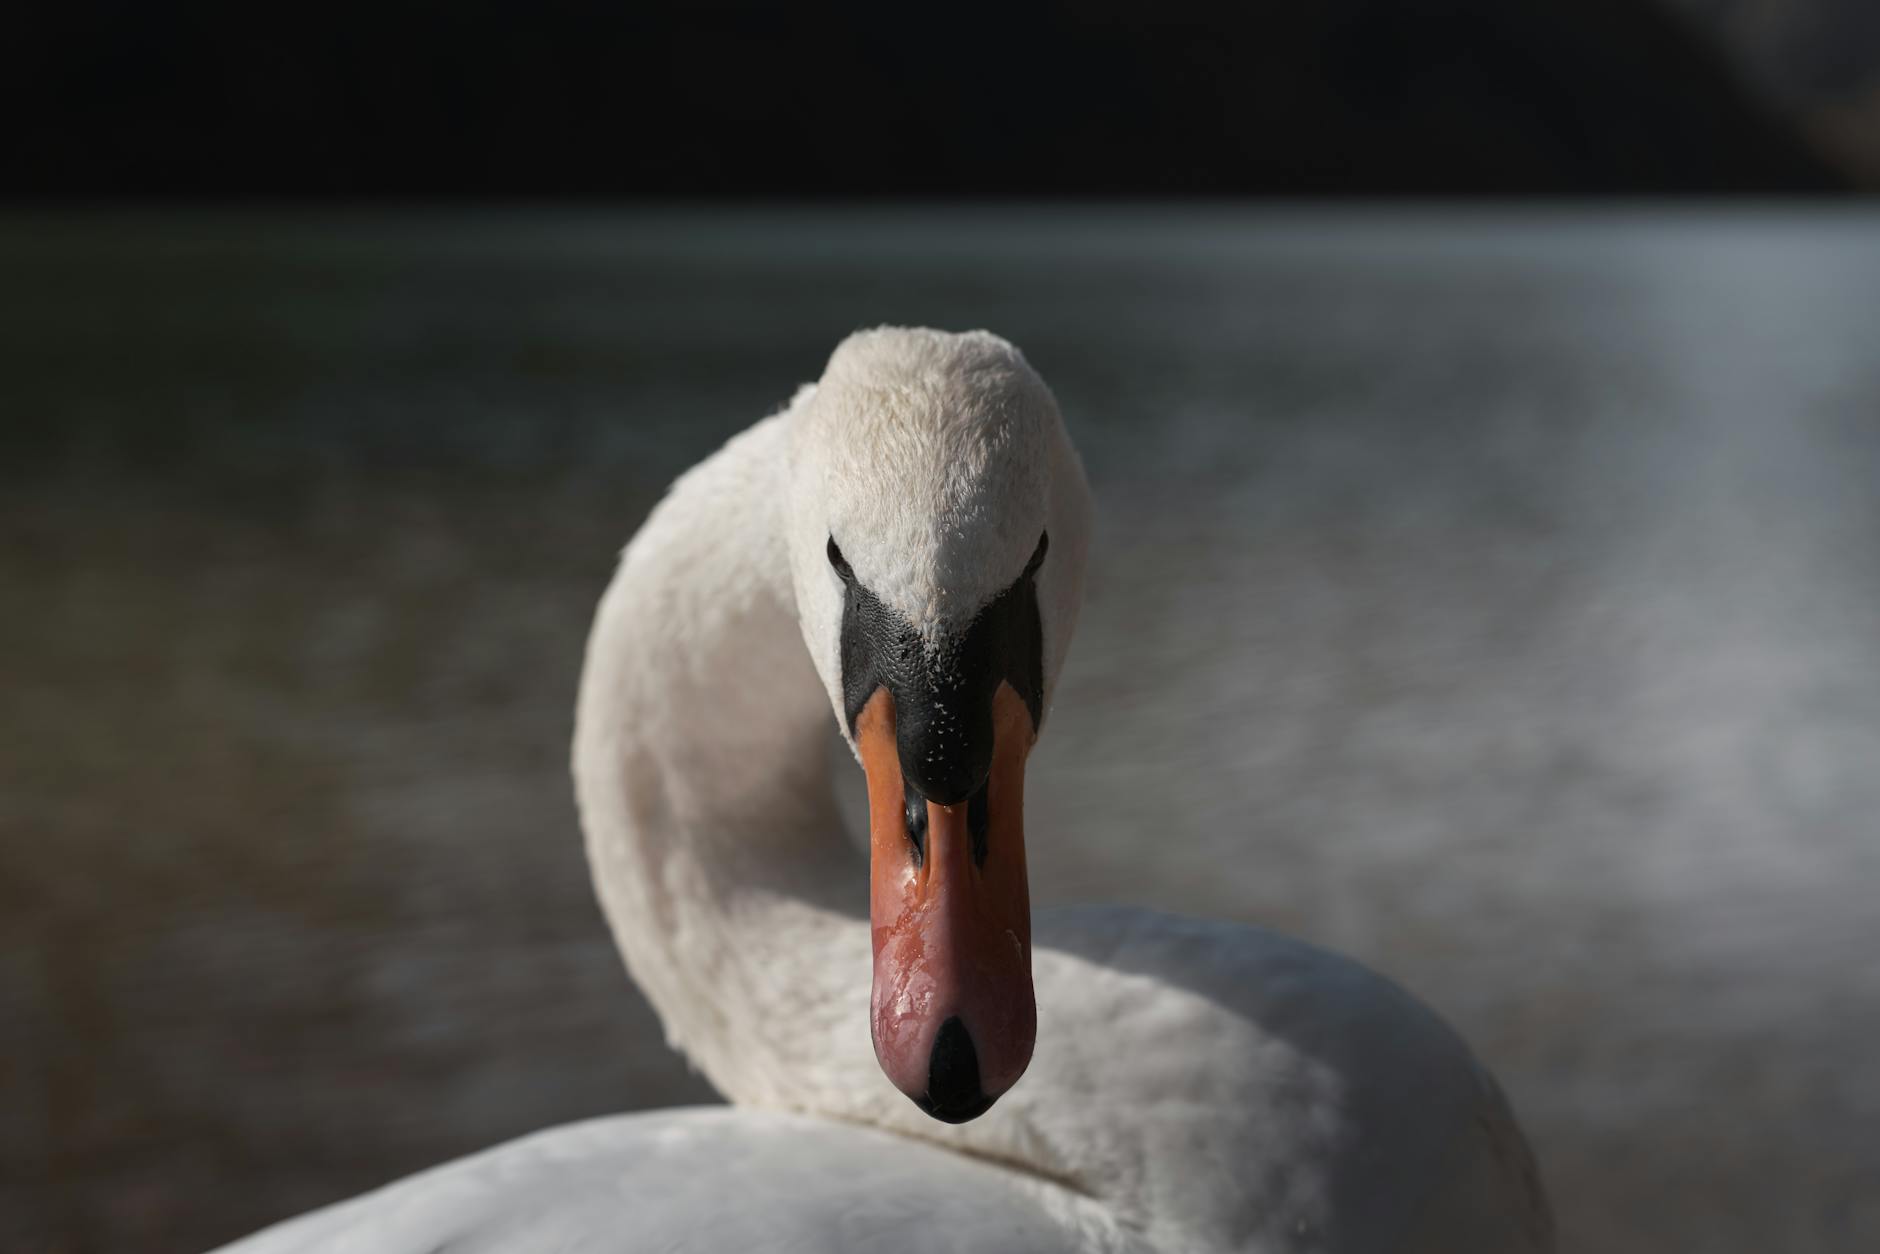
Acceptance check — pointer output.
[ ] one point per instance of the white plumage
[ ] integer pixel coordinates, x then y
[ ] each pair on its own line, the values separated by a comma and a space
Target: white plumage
1195, 1086
705, 1178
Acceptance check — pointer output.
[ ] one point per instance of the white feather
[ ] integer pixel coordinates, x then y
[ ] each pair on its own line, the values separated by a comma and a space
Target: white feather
1195, 1086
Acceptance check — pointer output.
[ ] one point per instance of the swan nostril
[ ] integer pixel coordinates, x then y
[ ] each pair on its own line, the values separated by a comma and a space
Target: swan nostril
979, 821
953, 1091
916, 822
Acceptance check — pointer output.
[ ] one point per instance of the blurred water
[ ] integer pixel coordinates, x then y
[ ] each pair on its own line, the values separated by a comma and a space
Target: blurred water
1493, 596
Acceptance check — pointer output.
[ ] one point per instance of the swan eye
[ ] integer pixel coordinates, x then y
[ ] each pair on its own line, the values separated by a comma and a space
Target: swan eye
839, 562
1037, 557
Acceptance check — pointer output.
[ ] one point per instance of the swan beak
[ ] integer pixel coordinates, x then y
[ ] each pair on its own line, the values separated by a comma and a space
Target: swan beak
952, 1015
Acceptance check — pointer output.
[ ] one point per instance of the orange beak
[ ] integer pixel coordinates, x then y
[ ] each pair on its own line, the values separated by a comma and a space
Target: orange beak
953, 1016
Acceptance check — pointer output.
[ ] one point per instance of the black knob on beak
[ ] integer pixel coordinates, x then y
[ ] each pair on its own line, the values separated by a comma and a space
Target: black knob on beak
944, 736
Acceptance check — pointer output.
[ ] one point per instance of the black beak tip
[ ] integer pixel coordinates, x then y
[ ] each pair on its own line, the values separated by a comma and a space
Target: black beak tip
953, 1091
956, 1114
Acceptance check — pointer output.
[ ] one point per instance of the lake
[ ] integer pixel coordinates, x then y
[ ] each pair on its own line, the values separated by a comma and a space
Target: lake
1493, 595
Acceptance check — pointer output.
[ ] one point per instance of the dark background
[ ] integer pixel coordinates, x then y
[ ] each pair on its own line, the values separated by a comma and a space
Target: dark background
848, 100
1487, 560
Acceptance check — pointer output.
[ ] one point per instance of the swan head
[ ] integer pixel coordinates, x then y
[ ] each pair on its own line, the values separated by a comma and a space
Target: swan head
938, 520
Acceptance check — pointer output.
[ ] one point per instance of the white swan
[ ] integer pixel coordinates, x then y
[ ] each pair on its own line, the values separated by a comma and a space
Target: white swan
918, 520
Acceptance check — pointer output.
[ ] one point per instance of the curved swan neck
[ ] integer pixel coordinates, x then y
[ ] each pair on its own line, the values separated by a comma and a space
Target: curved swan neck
1274, 1096
702, 734
700, 760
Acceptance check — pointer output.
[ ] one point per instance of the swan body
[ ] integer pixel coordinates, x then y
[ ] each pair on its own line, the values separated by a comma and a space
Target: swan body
782, 1183
1193, 1086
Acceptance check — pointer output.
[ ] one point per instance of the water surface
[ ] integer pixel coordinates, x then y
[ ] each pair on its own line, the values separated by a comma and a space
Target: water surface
1492, 596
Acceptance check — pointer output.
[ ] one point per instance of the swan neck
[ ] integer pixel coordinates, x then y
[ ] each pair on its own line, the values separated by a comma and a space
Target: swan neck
701, 768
